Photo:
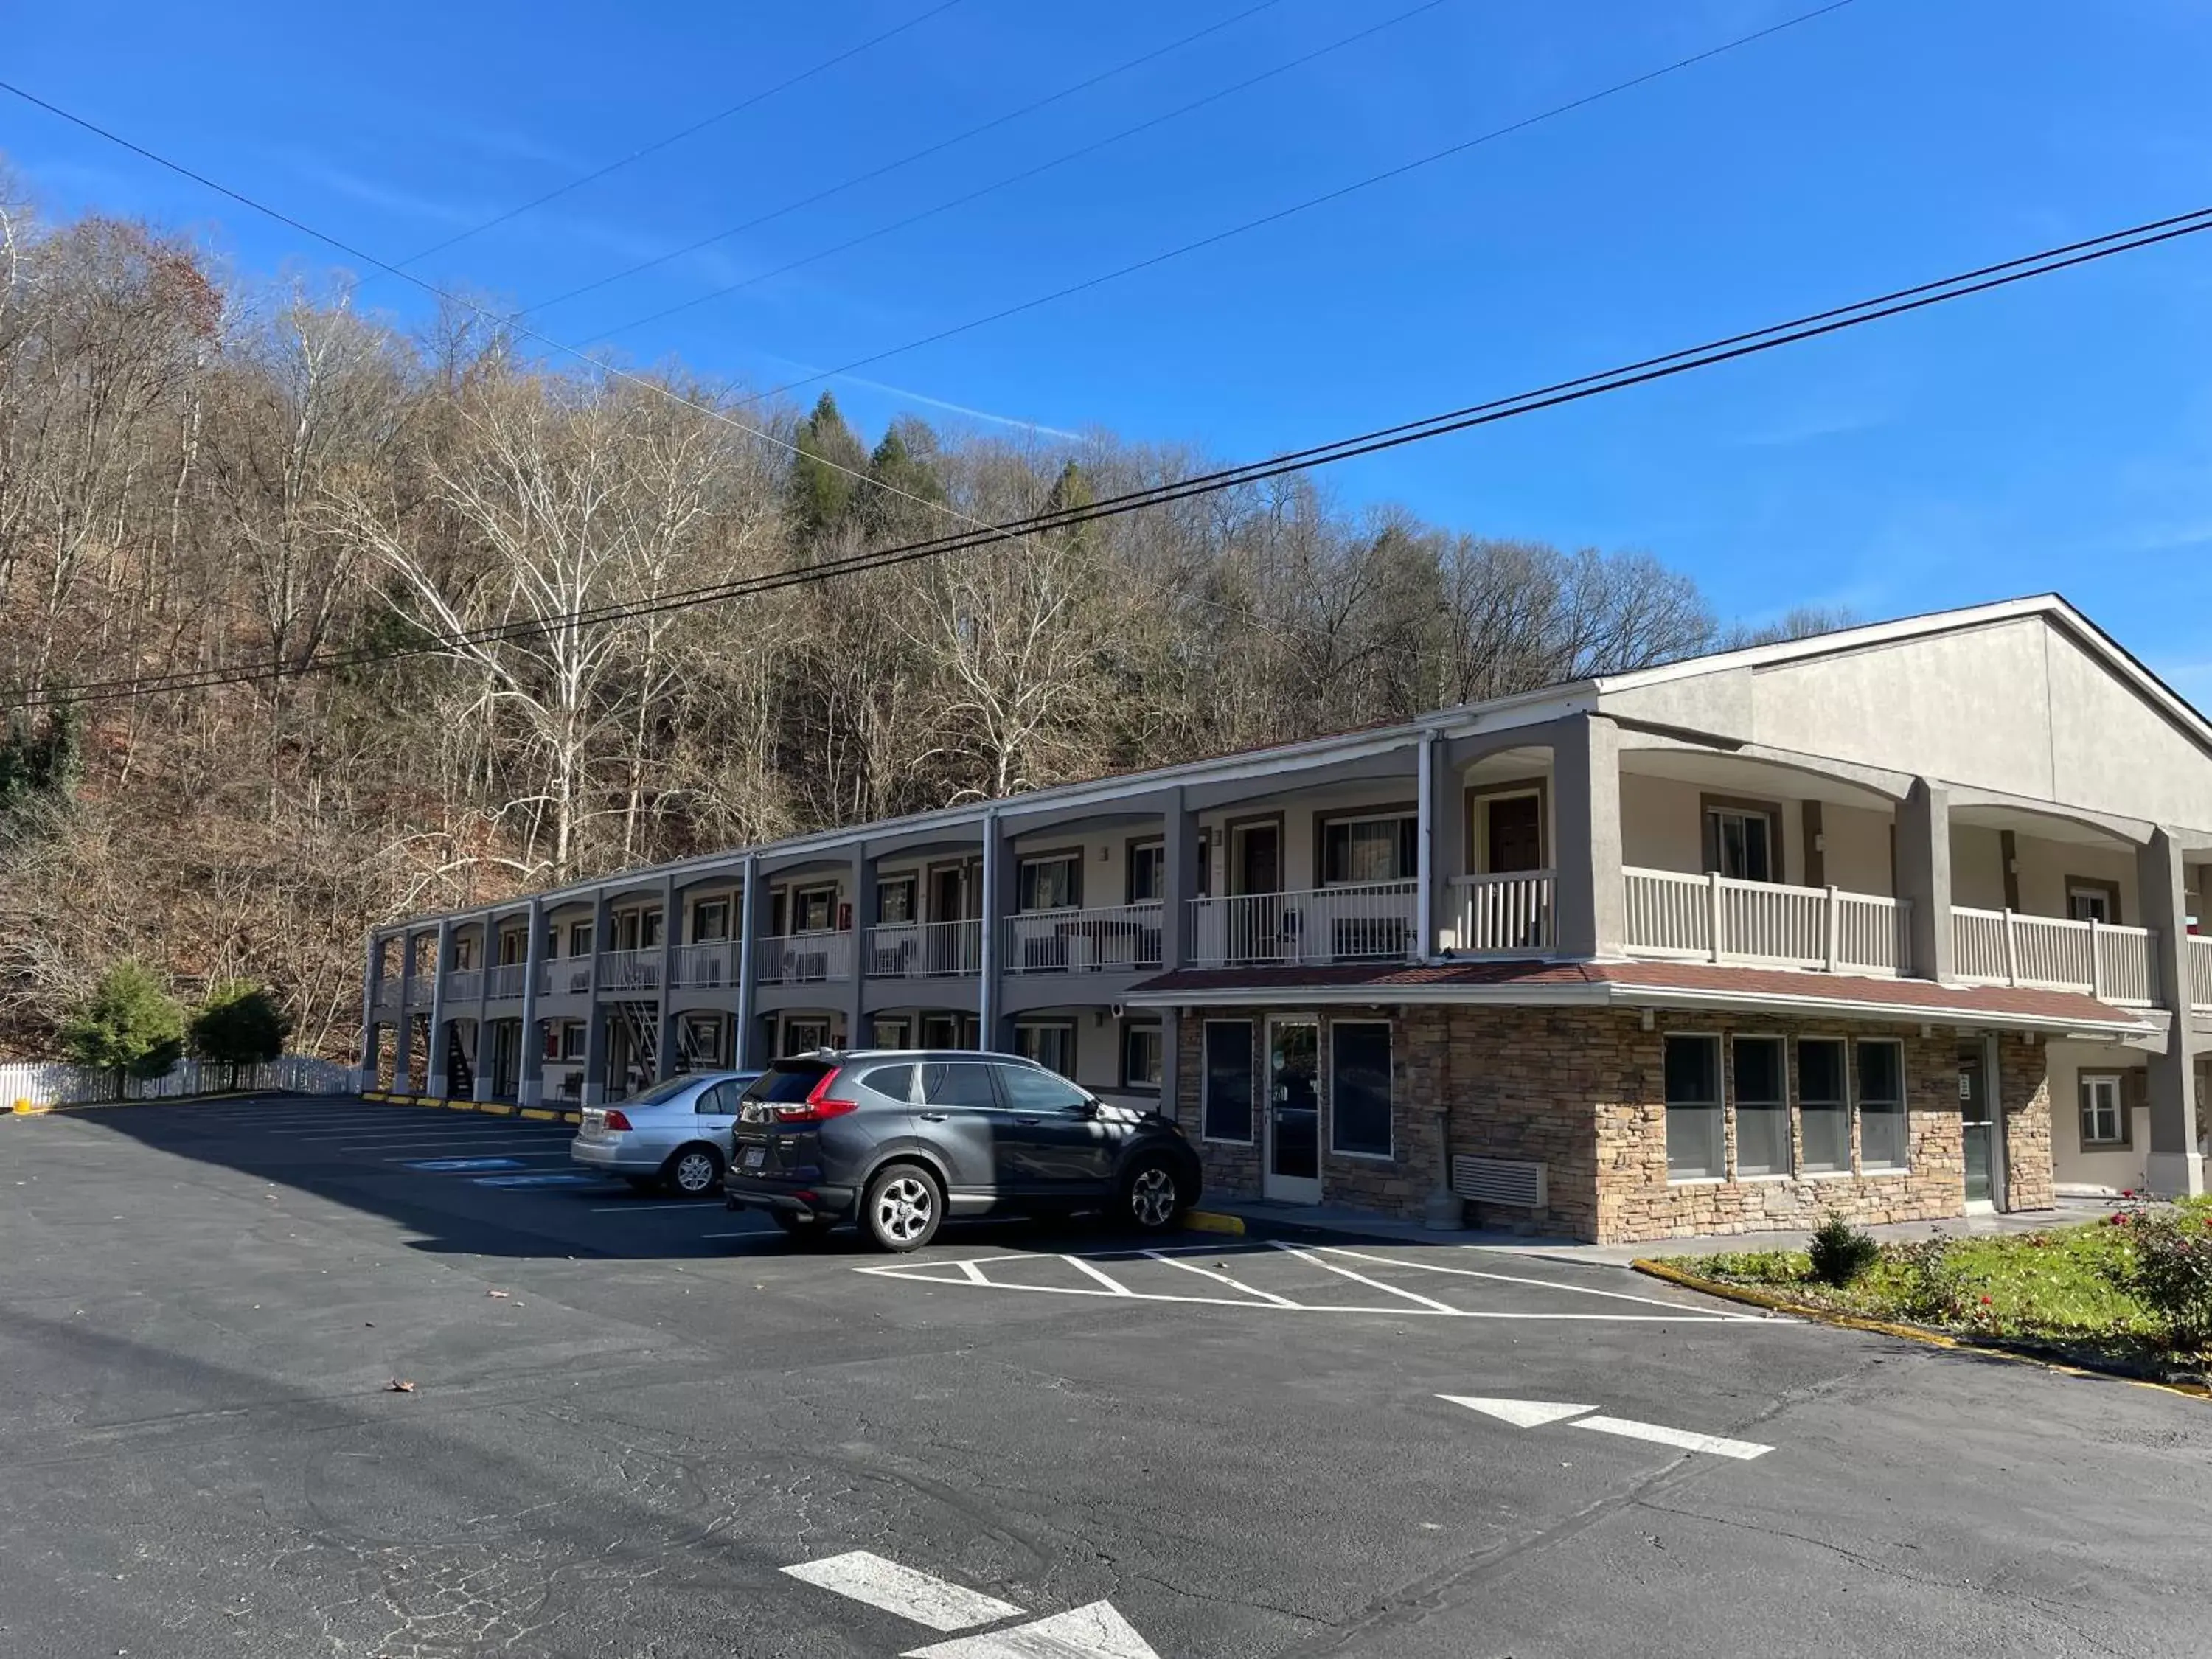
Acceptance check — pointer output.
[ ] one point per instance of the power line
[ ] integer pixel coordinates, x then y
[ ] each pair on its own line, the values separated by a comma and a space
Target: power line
1898, 302
1281, 214
681, 133
774, 213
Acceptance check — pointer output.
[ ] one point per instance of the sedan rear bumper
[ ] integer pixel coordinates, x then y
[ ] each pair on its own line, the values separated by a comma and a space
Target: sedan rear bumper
617, 1158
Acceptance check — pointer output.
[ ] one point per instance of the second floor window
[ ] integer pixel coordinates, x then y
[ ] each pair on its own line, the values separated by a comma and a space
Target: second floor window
813, 909
1356, 850
710, 921
1148, 873
580, 938
1050, 884
1739, 842
895, 901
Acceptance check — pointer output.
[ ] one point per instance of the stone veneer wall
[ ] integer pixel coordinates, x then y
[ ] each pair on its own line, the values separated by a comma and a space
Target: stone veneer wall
1582, 1090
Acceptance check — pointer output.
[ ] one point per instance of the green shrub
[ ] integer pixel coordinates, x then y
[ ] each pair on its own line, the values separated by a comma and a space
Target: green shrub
1931, 1285
128, 1023
2167, 1267
240, 1025
1841, 1253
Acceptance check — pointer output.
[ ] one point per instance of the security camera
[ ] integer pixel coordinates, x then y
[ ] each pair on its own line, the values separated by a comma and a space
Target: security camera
1116, 1010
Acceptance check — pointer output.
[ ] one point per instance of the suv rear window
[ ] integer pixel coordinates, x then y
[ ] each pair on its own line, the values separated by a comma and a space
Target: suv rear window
787, 1082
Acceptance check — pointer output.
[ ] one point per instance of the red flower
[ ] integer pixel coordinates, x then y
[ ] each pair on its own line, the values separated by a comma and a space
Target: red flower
2127, 1192
1986, 1302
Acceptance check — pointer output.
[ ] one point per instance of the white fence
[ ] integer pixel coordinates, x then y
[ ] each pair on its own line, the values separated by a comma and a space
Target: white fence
1505, 915
59, 1082
1376, 921
706, 965
804, 958
631, 970
1115, 938
504, 983
2200, 993
1713, 918
2003, 947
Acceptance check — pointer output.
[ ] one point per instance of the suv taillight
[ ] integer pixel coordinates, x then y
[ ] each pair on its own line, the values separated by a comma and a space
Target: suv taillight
819, 1104
614, 1119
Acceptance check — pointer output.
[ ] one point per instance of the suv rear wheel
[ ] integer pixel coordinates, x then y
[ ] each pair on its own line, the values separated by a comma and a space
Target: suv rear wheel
1152, 1198
902, 1207
694, 1171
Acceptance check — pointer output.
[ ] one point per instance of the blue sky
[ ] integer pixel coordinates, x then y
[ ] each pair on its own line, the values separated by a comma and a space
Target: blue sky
2059, 435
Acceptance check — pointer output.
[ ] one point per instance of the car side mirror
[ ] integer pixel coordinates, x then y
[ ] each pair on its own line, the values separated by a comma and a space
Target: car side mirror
1084, 1108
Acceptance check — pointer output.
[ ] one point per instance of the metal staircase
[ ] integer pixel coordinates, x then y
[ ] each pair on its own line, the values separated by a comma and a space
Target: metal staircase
640, 1026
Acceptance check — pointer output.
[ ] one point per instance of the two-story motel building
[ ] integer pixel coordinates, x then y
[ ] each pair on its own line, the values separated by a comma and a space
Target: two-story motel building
1898, 922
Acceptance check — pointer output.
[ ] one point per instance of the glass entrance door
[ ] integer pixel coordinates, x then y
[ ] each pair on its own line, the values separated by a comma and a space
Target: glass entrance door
1294, 1175
1977, 1130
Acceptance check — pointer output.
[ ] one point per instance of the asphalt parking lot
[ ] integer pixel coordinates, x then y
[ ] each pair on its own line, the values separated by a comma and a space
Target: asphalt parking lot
643, 1426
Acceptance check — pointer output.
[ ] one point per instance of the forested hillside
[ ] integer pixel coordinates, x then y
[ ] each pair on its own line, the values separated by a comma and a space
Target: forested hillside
197, 470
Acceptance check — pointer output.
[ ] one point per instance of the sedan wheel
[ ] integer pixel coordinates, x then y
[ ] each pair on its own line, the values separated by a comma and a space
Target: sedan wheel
1150, 1198
694, 1171
902, 1208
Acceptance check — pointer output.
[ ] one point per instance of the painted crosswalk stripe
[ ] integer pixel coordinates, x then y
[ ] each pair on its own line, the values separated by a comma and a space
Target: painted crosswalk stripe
1372, 1283
864, 1577
1112, 1284
1717, 1445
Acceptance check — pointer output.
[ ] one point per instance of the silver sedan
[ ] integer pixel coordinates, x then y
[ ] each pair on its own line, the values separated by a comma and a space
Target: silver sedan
675, 1134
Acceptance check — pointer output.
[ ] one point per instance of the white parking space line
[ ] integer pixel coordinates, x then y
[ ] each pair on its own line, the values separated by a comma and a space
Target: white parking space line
1373, 1283
1221, 1279
1523, 1278
1095, 1631
1686, 1440
636, 1209
863, 1577
1113, 1285
975, 1273
475, 1155
428, 1148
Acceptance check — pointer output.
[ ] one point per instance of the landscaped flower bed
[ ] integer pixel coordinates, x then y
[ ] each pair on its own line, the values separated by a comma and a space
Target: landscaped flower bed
2131, 1292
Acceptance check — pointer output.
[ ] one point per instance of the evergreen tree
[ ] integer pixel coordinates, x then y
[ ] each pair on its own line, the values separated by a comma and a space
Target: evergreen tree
40, 766
129, 1026
822, 472
1072, 492
240, 1025
905, 464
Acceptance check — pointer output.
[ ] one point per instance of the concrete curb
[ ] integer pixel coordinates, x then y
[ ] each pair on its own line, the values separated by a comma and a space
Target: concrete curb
27, 1108
1805, 1310
1209, 1221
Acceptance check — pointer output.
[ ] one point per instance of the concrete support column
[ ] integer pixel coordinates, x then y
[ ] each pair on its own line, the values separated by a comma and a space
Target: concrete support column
752, 904
364, 1076
434, 1066
530, 1084
990, 992
1923, 877
1444, 844
1172, 1063
672, 927
1179, 881
2174, 1167
480, 1067
862, 887
1590, 903
594, 1092
402, 1038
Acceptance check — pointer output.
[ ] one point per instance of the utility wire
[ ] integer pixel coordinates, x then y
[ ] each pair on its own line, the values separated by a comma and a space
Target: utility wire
1898, 302
1281, 214
680, 133
1026, 173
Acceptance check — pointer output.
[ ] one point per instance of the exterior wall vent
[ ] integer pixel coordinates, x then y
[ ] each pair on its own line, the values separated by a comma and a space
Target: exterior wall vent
1507, 1181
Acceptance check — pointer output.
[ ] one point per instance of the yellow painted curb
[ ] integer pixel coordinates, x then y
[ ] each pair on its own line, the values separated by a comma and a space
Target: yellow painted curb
539, 1115
373, 1094
459, 1105
571, 1117
31, 1109
495, 1108
1776, 1304
1209, 1221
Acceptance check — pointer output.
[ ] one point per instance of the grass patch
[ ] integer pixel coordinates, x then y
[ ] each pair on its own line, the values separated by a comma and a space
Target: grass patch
2063, 1290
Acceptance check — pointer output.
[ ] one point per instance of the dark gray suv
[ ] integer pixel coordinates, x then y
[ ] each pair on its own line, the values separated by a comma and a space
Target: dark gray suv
897, 1139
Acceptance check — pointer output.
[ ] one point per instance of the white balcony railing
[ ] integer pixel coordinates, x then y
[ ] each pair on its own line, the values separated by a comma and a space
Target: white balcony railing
504, 982
1376, 921
804, 958
631, 970
2003, 947
1113, 939
2200, 988
1713, 918
419, 987
708, 965
462, 984
1505, 915
388, 993
925, 950
564, 977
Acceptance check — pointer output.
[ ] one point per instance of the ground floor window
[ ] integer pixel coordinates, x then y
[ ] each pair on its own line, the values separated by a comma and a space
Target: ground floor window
1141, 1055
1226, 1112
804, 1036
2103, 1110
1824, 1106
1881, 1104
1694, 1150
573, 1036
1762, 1106
1359, 1086
950, 1031
702, 1043
1050, 1044
889, 1032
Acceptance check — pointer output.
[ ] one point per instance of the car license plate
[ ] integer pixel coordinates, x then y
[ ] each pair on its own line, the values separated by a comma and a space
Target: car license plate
755, 1157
